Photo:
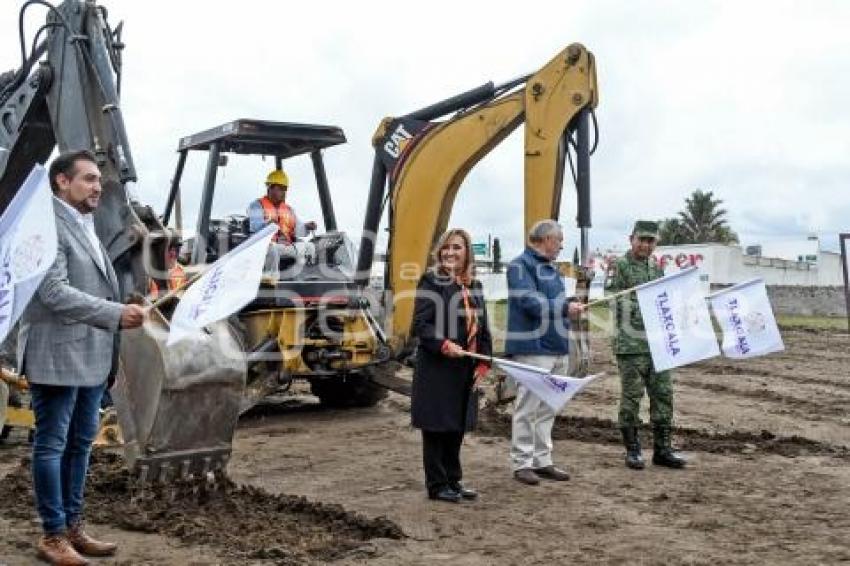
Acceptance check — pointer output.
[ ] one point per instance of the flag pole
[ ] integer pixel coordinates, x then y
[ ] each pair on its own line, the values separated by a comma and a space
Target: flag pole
479, 356
636, 287
173, 293
614, 296
503, 361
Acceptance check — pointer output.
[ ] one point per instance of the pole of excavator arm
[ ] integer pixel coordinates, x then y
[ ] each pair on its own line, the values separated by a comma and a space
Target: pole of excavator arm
175, 187
104, 70
372, 222
457, 102
328, 214
583, 180
199, 252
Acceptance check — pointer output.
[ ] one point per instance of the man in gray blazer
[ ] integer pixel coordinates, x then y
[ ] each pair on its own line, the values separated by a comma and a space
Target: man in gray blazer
67, 349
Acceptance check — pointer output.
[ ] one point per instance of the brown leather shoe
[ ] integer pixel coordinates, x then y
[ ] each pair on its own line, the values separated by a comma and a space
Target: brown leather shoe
57, 550
84, 544
552, 473
526, 476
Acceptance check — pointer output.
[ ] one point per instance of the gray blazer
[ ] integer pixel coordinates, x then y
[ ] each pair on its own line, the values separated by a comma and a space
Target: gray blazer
68, 332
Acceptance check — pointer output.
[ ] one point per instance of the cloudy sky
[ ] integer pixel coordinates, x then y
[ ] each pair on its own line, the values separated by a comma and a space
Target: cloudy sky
746, 99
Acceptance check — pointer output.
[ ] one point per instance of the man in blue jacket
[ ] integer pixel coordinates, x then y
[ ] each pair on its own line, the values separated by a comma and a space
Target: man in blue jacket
538, 327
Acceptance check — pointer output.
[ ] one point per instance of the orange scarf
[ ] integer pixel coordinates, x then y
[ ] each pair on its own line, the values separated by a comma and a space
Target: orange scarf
471, 319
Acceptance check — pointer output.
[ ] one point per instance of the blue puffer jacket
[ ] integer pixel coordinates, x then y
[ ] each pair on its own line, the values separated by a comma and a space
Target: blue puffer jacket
536, 307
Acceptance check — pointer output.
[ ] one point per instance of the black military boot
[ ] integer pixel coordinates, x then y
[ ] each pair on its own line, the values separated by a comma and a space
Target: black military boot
663, 453
634, 458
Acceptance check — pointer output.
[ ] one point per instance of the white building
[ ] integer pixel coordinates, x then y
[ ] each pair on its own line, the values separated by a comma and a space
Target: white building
791, 249
727, 265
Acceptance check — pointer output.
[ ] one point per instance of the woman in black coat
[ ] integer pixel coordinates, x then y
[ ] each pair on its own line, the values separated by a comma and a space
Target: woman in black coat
449, 318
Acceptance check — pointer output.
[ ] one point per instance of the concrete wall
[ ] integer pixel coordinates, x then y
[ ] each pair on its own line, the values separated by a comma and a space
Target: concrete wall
812, 301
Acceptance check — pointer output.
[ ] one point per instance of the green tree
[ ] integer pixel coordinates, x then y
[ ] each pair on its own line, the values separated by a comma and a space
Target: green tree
671, 232
701, 221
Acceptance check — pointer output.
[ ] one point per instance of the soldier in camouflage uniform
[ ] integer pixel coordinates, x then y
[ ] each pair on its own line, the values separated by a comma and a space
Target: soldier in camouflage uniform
633, 357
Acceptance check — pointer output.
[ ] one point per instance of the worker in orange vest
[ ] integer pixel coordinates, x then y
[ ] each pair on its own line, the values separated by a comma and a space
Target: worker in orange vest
272, 208
176, 274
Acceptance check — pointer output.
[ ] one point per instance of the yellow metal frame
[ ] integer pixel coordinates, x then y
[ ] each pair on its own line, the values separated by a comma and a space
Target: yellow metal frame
287, 325
16, 416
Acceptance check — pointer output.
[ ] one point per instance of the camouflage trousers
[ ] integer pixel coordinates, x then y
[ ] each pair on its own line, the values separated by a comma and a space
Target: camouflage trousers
637, 373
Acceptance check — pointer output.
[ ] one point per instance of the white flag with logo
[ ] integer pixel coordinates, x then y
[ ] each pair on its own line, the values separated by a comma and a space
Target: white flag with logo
554, 390
27, 246
676, 318
749, 327
228, 285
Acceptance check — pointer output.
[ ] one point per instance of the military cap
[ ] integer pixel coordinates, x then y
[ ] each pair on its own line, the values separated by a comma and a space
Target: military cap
645, 228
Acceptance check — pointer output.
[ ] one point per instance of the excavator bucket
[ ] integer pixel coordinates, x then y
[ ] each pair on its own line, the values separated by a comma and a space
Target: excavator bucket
178, 405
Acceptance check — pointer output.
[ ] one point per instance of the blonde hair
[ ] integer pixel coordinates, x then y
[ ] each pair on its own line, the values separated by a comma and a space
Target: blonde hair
469, 267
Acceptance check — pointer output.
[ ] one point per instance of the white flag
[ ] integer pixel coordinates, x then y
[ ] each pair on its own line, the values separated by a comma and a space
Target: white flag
554, 390
229, 284
676, 318
744, 314
27, 246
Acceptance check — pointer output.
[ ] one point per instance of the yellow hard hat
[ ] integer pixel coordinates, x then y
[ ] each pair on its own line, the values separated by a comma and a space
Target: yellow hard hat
277, 177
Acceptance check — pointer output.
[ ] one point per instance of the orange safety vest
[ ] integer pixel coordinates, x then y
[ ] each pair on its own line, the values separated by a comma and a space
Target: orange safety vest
282, 215
176, 278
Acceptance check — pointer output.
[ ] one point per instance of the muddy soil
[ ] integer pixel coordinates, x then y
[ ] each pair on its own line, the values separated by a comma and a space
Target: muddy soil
768, 482
244, 521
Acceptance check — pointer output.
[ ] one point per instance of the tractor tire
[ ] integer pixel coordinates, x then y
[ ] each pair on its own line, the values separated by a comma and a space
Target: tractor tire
353, 390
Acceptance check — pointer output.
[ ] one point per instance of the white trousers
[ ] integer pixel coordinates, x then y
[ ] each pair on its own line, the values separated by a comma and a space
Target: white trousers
277, 252
531, 431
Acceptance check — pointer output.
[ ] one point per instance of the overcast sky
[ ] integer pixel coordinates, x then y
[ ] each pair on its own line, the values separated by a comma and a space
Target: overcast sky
746, 99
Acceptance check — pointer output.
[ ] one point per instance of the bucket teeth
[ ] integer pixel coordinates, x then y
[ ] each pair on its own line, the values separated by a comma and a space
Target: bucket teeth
176, 466
185, 469
164, 472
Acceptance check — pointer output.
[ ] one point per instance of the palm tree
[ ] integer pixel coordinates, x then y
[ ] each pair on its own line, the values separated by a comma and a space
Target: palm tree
701, 221
671, 233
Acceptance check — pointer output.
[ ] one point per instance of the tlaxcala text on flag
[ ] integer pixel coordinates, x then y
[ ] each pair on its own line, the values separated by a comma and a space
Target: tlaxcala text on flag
746, 318
27, 246
676, 320
228, 285
554, 390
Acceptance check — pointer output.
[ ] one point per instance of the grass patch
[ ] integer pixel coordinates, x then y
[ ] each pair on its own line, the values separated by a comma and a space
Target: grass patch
795, 322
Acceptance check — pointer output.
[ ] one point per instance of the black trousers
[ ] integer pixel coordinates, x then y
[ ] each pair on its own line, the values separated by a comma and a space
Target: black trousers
441, 458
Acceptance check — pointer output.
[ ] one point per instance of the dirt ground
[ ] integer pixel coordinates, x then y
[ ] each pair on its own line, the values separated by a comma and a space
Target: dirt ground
768, 482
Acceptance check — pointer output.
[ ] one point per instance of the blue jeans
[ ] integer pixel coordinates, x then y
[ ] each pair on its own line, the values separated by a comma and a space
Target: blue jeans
66, 422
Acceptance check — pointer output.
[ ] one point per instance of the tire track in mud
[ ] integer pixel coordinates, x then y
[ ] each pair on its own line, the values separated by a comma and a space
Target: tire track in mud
242, 521
491, 422
824, 407
723, 370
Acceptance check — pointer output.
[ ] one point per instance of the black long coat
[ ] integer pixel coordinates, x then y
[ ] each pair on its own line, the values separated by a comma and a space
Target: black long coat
442, 385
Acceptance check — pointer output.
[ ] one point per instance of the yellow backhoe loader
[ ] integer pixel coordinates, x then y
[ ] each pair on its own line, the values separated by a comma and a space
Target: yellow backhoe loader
178, 406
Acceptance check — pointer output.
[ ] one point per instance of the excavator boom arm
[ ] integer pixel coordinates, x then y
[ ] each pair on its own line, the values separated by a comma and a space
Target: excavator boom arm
70, 101
431, 161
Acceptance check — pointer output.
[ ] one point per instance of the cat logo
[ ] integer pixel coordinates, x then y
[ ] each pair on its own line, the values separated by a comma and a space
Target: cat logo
398, 141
